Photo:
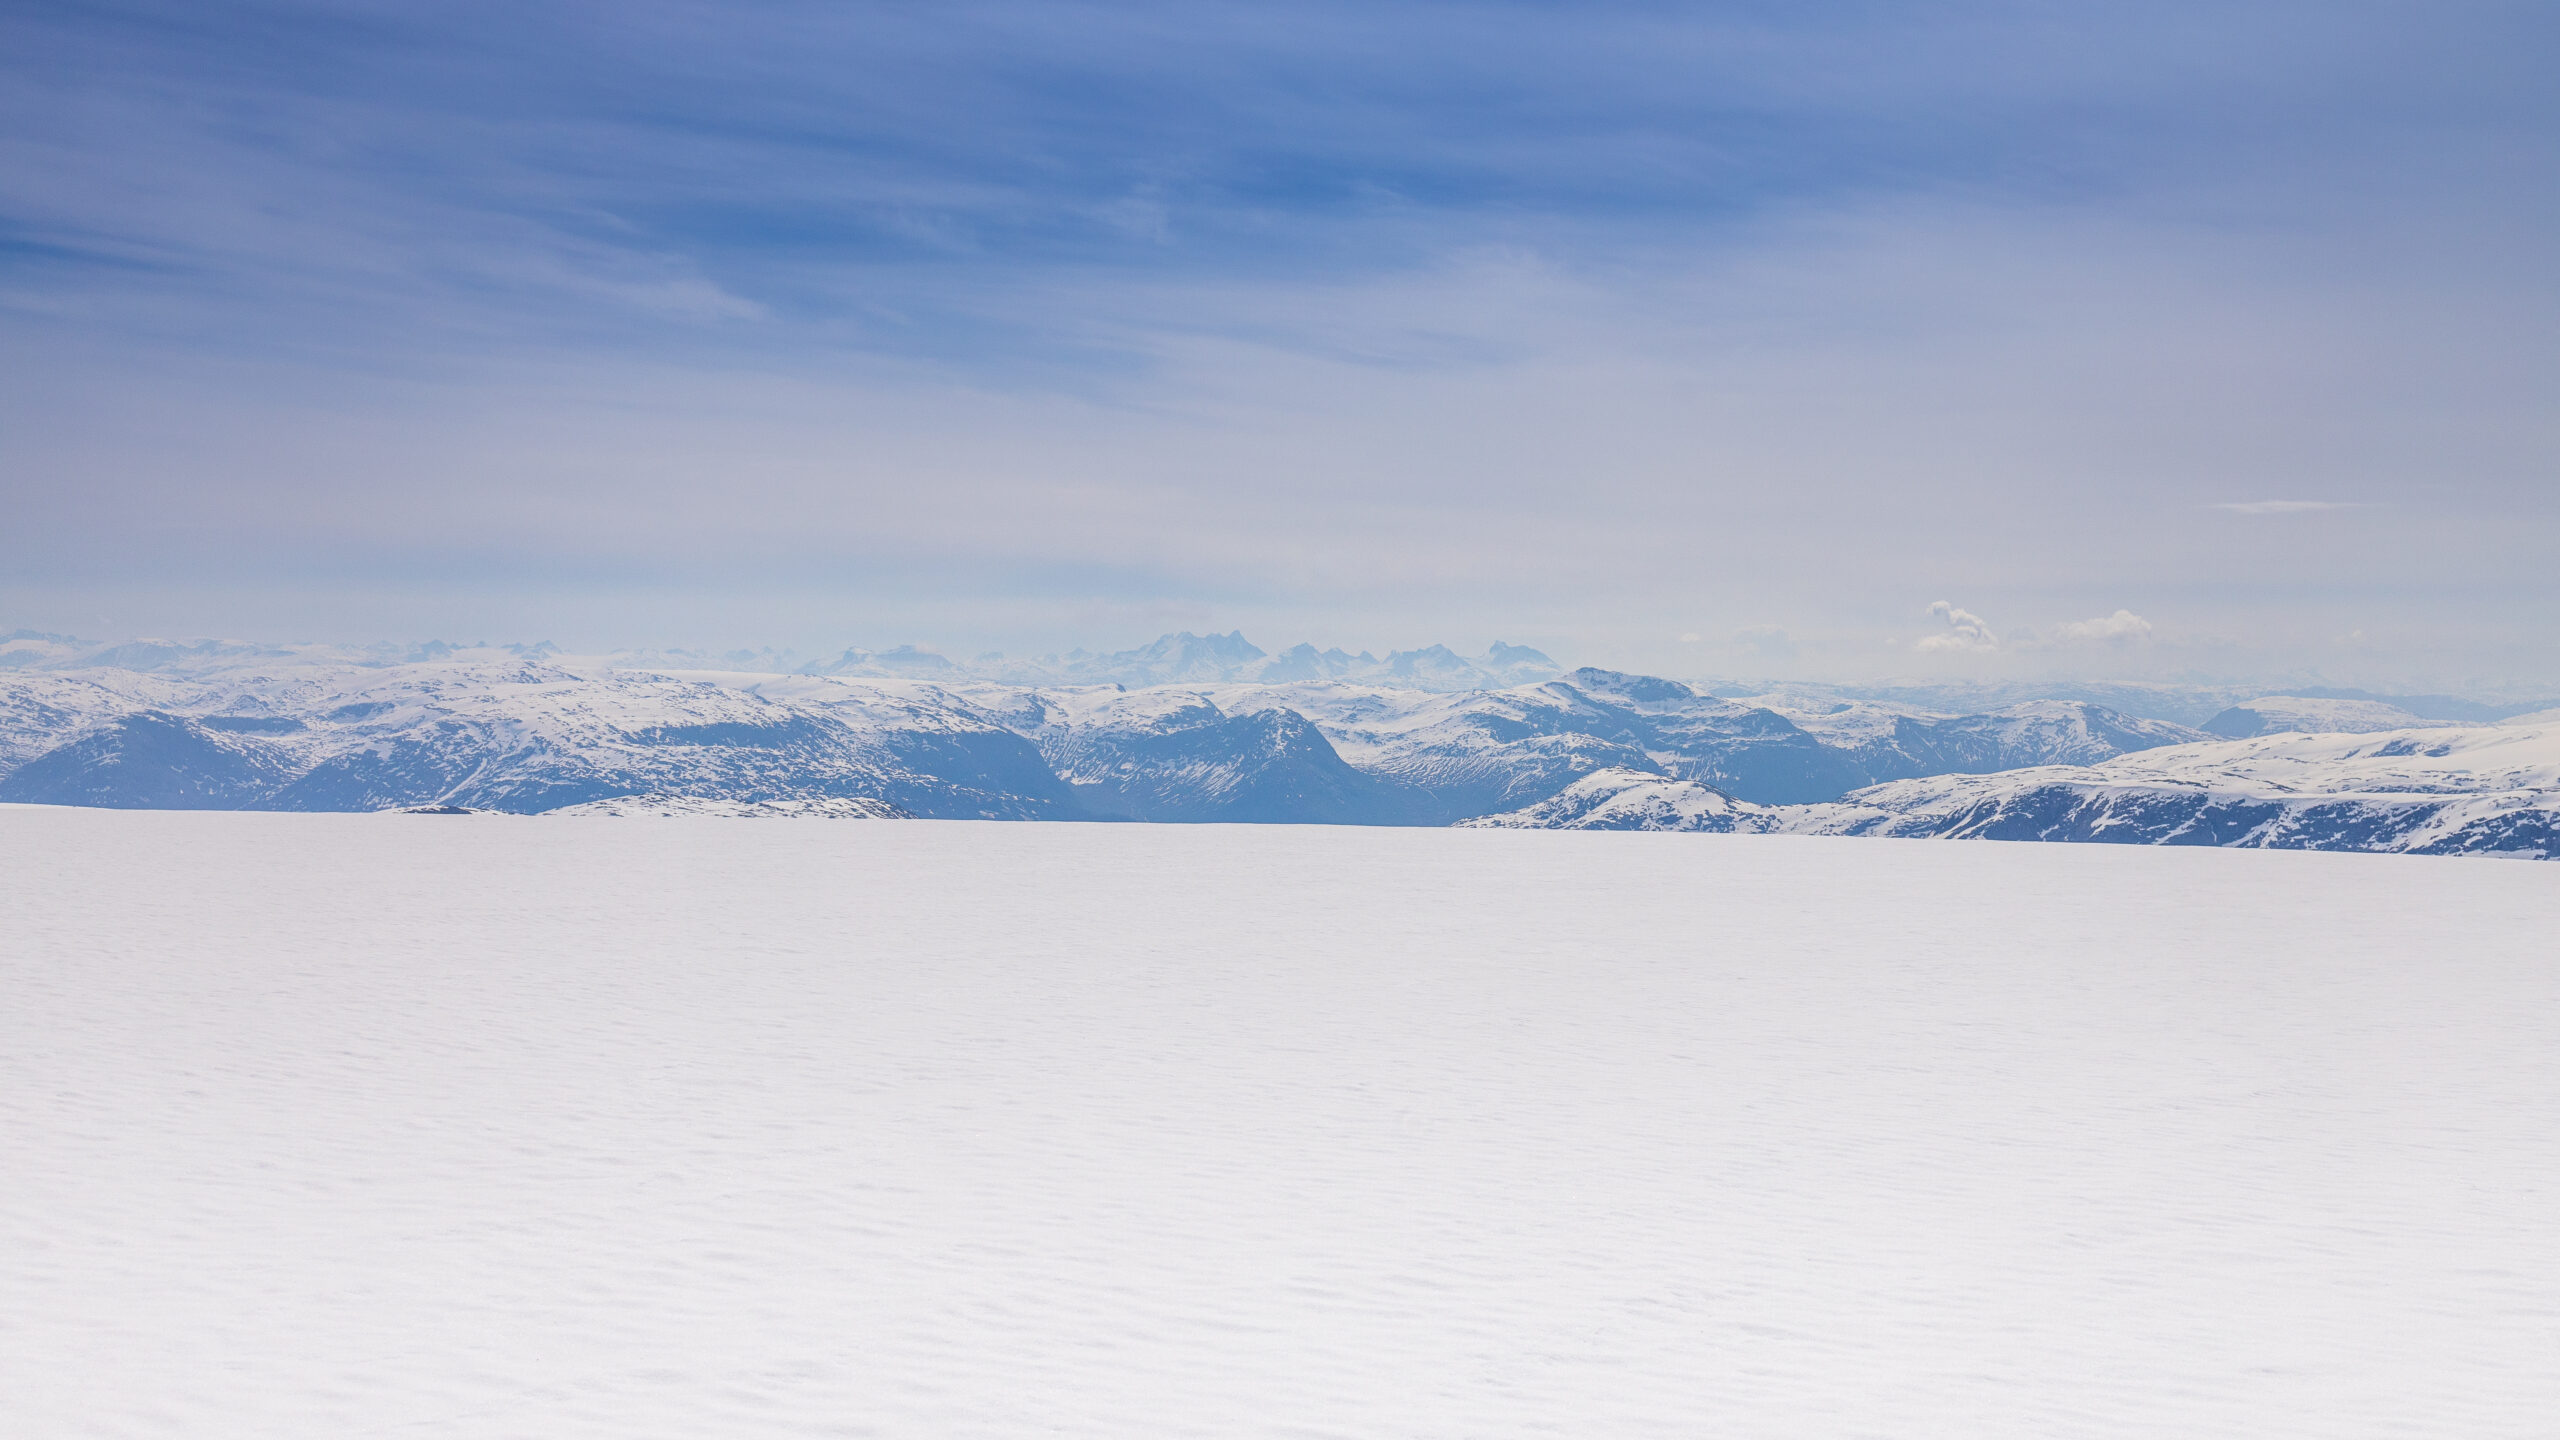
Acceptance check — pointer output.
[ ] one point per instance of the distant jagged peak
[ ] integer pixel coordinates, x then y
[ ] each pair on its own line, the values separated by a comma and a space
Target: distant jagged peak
1303, 661
904, 661
1183, 646
1181, 656
1499, 656
1437, 667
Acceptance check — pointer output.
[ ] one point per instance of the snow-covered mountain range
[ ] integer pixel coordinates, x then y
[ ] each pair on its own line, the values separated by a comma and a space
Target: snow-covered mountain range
1216, 729
2439, 790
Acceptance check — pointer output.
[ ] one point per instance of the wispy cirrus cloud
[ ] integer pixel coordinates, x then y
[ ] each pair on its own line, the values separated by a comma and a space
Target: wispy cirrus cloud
2123, 628
944, 322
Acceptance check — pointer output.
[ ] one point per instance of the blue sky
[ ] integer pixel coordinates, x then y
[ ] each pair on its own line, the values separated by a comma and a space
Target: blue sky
1711, 339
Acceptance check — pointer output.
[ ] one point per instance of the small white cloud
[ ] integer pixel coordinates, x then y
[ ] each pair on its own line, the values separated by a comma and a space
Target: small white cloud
1965, 630
2122, 628
2285, 507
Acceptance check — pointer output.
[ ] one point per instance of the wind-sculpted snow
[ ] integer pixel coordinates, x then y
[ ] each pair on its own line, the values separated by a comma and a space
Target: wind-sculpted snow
339, 1127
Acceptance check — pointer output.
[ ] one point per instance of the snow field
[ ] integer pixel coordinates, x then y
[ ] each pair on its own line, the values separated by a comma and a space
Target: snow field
338, 1125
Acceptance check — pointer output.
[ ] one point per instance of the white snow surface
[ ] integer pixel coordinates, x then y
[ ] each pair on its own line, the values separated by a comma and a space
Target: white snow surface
836, 807
341, 1125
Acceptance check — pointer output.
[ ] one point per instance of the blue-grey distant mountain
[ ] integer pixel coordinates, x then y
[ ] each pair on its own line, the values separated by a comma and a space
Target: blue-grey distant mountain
153, 761
510, 730
1166, 755
530, 738
1890, 745
1249, 737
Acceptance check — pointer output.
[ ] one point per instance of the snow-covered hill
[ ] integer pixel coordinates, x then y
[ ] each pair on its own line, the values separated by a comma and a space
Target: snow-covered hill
2462, 790
2437, 791
207, 725
1620, 799
518, 735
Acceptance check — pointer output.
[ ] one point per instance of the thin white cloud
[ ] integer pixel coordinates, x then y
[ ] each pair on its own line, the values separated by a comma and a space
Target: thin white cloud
2122, 628
1965, 630
2284, 507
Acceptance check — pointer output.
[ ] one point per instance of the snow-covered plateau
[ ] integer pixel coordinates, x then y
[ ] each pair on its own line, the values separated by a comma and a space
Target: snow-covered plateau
321, 1126
1211, 728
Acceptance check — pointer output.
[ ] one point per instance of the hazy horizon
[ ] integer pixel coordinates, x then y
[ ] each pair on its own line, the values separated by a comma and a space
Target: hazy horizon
1988, 672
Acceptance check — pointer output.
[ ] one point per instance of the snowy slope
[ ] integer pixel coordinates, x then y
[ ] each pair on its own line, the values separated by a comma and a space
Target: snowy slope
2475, 790
329, 1126
2482, 789
531, 736
39, 712
1619, 799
